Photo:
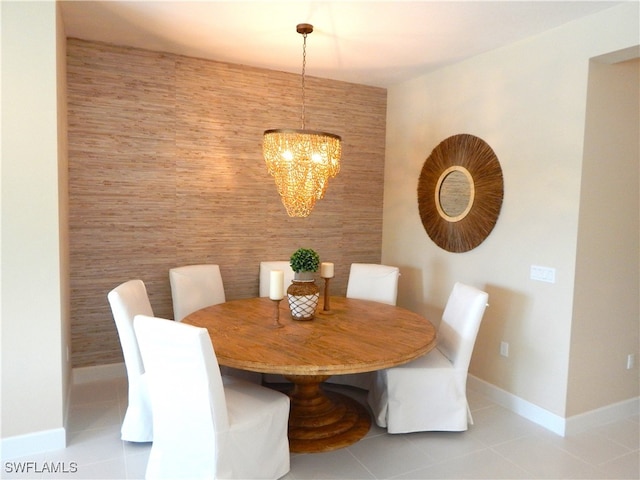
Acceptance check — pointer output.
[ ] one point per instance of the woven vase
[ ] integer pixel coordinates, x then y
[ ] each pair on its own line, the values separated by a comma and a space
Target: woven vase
303, 296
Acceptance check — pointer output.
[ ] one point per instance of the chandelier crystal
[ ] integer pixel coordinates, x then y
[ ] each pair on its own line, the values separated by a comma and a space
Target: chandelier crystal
301, 161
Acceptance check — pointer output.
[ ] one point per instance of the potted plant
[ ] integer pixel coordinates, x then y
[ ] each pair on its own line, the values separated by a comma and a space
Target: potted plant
303, 294
304, 262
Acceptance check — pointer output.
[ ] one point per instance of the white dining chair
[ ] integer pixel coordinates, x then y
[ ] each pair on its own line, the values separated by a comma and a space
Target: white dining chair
194, 287
206, 426
197, 286
429, 393
128, 300
372, 281
265, 269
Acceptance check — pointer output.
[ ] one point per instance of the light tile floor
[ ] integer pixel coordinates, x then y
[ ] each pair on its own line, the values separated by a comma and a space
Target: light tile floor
500, 444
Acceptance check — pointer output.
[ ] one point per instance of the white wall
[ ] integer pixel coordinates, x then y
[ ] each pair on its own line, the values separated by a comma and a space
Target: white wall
606, 315
34, 299
528, 102
63, 206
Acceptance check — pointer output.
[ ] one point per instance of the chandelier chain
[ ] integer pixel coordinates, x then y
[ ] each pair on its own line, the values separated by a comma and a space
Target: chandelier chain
304, 65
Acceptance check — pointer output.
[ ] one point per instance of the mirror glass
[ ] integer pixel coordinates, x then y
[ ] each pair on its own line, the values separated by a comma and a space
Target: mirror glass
455, 193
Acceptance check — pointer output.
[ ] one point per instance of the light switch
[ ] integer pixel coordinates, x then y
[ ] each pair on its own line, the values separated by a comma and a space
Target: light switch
543, 274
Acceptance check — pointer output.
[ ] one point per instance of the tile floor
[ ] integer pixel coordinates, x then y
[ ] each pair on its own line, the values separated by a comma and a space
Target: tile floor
499, 445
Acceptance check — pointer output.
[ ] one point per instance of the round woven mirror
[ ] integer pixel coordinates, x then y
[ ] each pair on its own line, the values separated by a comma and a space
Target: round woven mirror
460, 193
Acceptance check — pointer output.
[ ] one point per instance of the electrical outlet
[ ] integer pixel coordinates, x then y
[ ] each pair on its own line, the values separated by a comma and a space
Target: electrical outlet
504, 349
543, 274
631, 361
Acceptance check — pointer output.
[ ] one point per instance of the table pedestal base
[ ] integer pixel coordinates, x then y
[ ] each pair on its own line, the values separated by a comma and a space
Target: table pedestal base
321, 421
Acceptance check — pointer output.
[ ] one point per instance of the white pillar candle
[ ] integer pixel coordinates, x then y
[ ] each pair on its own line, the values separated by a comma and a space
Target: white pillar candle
326, 270
276, 285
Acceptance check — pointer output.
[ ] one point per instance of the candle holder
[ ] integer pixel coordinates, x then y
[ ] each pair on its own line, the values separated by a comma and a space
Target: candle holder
326, 308
276, 313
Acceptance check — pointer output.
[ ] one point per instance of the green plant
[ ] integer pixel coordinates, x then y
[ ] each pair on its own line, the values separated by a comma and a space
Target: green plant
305, 260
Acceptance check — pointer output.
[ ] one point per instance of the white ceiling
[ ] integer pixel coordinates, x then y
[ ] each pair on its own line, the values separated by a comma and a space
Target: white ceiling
367, 42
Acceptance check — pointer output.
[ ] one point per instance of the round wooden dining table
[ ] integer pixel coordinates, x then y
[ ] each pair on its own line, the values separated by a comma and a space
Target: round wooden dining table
355, 336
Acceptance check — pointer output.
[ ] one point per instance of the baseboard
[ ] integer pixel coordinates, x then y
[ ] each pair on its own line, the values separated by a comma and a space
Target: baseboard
522, 407
33, 443
98, 372
603, 415
557, 424
54, 439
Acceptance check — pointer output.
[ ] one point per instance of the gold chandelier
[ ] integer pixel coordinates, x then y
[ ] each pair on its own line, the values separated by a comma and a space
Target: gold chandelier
301, 161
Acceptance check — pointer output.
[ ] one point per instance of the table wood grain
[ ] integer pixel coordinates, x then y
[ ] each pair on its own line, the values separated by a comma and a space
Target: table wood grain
357, 336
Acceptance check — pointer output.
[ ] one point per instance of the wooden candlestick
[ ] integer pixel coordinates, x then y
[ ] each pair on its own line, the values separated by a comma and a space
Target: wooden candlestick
326, 309
276, 313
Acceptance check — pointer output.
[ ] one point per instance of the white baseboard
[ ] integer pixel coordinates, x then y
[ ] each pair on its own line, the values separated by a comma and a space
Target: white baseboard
98, 372
33, 443
557, 424
54, 439
522, 407
603, 415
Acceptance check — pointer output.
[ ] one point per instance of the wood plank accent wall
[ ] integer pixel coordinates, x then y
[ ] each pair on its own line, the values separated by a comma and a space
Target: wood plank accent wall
166, 169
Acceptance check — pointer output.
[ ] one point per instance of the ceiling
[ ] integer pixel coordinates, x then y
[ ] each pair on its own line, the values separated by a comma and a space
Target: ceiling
367, 42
